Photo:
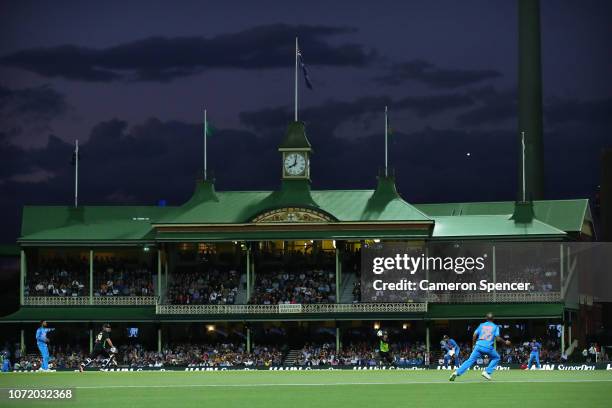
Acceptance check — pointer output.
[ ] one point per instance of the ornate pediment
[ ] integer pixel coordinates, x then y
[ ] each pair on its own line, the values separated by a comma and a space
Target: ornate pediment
293, 214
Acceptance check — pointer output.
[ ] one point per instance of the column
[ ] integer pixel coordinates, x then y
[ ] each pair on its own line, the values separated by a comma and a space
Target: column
22, 275
338, 275
165, 269
159, 339
22, 342
252, 273
427, 342
561, 273
248, 339
562, 338
338, 340
159, 271
248, 276
91, 255
90, 340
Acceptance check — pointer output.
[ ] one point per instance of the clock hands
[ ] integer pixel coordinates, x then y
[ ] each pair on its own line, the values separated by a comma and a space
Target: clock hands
294, 161
298, 165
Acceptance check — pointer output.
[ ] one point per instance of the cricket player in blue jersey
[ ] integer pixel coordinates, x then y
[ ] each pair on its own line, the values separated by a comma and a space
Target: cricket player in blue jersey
451, 349
42, 341
485, 337
6, 362
535, 353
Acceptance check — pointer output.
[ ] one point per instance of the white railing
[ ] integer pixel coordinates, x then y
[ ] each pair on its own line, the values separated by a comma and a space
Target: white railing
56, 300
529, 297
125, 300
293, 309
87, 301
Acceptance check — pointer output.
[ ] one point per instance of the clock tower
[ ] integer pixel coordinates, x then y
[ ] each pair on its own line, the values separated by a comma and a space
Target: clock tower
296, 150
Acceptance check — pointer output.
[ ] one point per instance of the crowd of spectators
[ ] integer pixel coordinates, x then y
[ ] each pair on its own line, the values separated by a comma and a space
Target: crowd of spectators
361, 355
518, 353
306, 286
204, 288
414, 354
180, 355
122, 277
594, 353
69, 276
222, 355
311, 355
58, 276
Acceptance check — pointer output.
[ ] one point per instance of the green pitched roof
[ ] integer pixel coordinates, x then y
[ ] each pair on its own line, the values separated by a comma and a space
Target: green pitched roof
136, 224
565, 215
89, 223
491, 226
382, 204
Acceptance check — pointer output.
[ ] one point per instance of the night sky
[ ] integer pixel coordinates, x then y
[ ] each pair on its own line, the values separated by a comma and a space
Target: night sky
130, 81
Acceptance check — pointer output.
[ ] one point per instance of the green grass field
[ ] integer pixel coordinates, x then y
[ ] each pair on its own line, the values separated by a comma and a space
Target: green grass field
368, 389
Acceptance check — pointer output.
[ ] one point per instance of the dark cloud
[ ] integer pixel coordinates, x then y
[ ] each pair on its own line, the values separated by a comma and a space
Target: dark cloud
493, 107
13, 158
28, 110
328, 116
562, 111
154, 160
429, 105
164, 59
496, 107
20, 163
434, 77
160, 160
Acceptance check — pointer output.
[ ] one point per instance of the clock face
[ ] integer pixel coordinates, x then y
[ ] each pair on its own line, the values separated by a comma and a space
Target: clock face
295, 164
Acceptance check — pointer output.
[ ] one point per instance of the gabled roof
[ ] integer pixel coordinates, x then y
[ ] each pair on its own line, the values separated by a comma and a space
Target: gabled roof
491, 226
136, 224
565, 215
89, 223
237, 207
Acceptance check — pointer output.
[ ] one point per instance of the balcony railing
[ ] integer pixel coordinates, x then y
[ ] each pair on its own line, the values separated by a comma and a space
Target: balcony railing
536, 297
509, 297
87, 301
294, 309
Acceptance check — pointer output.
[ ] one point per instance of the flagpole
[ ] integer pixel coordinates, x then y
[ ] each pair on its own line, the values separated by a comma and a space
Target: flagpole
523, 164
386, 144
295, 116
76, 173
205, 137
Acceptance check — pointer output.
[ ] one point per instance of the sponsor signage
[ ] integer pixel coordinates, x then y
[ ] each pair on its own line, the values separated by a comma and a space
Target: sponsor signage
502, 367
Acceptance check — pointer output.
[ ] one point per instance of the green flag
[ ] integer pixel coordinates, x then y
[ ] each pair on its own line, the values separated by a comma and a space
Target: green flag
210, 129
